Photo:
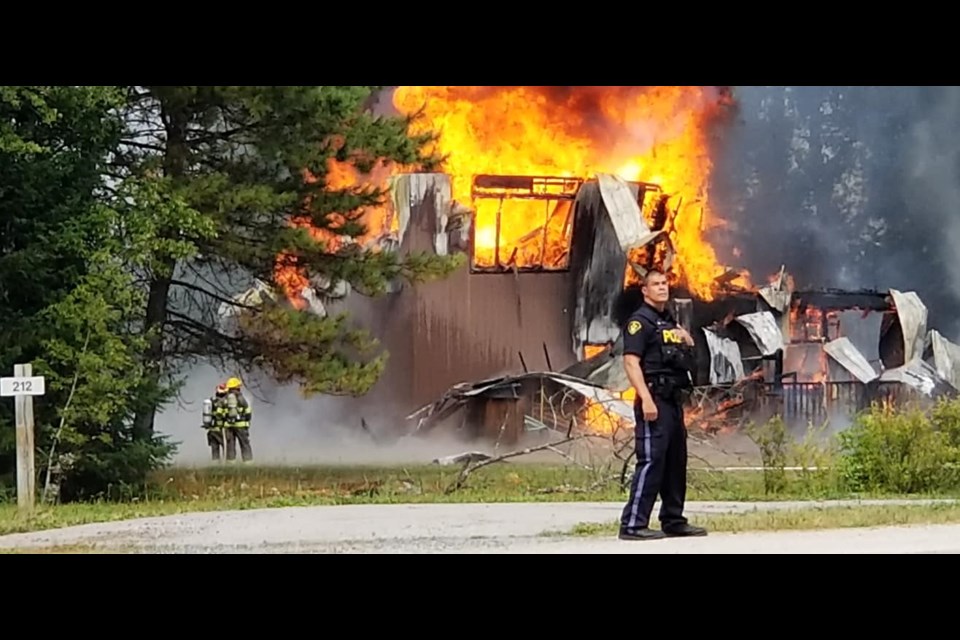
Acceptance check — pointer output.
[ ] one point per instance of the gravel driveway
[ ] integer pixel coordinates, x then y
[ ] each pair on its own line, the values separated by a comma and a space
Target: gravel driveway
463, 528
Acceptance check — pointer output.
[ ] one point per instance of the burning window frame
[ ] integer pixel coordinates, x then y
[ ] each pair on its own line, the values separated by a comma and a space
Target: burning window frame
512, 188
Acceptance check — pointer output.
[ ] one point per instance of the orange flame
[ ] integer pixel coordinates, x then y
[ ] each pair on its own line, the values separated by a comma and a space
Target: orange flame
806, 326
538, 233
651, 134
378, 221
811, 325
599, 419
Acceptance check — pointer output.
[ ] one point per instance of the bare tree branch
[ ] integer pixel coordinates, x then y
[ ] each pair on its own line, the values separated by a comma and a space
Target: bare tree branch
143, 145
474, 466
188, 322
217, 297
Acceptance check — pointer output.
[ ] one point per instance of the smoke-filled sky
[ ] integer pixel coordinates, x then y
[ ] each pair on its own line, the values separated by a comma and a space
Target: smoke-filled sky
850, 187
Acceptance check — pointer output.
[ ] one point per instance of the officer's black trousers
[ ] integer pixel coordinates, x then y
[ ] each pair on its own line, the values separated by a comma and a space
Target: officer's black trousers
661, 468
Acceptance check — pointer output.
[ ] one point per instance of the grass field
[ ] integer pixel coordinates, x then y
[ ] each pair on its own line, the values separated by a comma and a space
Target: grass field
808, 519
236, 488
70, 549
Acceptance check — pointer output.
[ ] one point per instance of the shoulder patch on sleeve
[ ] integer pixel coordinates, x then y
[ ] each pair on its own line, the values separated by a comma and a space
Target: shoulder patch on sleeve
634, 327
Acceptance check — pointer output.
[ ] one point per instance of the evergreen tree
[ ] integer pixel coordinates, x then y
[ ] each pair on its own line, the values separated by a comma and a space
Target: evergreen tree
220, 176
67, 305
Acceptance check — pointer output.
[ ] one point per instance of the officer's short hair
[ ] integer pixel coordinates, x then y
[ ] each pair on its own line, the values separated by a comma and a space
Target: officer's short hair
653, 272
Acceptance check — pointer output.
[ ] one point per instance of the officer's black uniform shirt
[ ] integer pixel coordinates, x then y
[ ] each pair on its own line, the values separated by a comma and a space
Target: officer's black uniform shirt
644, 339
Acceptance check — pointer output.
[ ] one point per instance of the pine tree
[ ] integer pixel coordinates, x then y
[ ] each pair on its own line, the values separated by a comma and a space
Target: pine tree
225, 178
68, 306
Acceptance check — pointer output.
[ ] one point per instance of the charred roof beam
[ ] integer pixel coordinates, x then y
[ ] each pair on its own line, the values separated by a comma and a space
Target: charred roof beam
526, 187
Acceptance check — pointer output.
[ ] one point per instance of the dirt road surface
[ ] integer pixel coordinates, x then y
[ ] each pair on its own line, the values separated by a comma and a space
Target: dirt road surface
461, 528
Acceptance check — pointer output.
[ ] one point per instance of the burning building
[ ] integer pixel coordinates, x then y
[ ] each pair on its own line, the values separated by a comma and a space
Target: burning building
557, 210
531, 317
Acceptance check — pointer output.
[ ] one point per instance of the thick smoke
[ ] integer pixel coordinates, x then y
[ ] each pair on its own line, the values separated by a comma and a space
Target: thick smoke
289, 429
849, 187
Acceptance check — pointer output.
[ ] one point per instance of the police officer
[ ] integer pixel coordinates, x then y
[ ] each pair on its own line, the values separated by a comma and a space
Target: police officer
658, 358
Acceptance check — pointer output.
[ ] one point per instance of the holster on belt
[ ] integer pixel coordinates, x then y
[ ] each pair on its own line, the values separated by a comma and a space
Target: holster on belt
669, 388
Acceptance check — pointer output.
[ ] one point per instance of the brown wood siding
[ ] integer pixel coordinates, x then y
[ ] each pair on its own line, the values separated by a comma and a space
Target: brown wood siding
474, 326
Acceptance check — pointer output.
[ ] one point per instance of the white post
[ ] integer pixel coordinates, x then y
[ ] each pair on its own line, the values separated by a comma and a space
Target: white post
22, 387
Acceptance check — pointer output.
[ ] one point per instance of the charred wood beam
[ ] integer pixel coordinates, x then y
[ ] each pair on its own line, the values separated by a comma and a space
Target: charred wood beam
840, 300
523, 362
525, 187
523, 196
726, 278
778, 373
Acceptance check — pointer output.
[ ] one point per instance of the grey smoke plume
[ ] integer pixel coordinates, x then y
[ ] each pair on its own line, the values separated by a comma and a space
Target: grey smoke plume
850, 187
289, 429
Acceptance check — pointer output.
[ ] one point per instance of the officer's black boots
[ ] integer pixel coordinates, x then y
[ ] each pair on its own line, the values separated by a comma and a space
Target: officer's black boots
641, 534
677, 531
685, 531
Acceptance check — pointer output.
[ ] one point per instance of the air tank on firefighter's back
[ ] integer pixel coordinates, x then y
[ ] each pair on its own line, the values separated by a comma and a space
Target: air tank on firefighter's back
207, 412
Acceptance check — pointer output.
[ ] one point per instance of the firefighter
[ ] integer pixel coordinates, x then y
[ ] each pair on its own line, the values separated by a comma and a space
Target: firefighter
239, 413
215, 423
659, 359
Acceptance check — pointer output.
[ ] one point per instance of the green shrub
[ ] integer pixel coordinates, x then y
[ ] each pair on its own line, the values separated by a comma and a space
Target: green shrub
773, 441
945, 417
816, 456
902, 451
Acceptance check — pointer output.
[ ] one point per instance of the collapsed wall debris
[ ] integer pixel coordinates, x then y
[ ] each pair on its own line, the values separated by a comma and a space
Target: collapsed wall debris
503, 409
830, 354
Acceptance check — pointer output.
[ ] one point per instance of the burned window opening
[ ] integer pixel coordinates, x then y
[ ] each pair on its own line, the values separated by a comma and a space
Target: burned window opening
657, 213
661, 213
810, 324
522, 223
891, 342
